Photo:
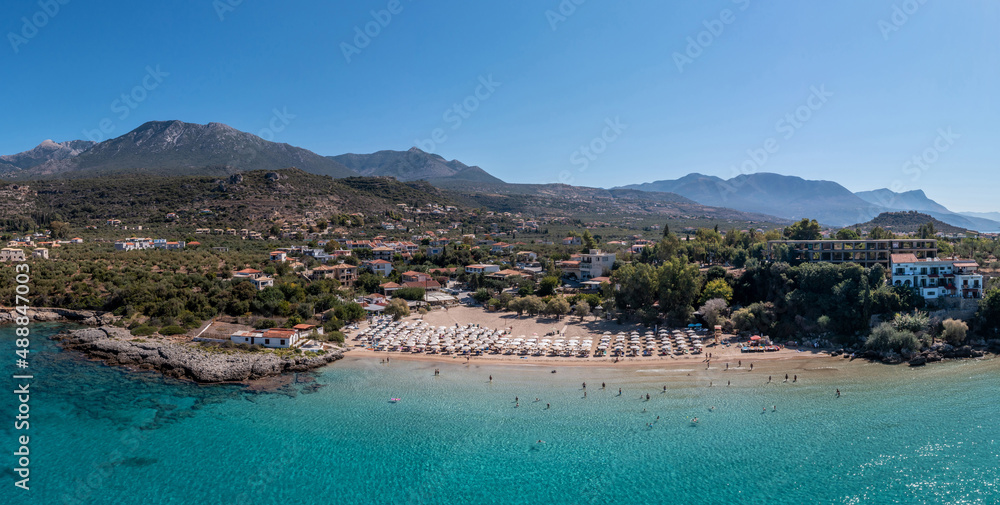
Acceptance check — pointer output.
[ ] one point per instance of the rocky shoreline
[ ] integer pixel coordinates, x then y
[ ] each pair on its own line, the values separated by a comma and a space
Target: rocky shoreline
116, 347
41, 314
935, 353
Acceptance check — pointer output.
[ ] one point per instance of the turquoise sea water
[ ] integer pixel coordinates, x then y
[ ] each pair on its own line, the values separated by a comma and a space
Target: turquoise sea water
898, 435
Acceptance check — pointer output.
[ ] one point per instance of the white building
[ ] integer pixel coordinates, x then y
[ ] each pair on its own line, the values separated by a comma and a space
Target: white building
482, 269
11, 254
279, 338
595, 264
937, 277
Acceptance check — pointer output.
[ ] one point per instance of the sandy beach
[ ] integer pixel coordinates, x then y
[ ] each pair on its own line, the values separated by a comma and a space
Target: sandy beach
570, 326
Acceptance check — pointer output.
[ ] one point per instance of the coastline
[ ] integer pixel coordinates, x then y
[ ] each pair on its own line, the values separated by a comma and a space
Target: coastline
48, 314
117, 347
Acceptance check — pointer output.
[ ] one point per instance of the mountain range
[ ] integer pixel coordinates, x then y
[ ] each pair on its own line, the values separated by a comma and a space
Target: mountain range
828, 202
215, 149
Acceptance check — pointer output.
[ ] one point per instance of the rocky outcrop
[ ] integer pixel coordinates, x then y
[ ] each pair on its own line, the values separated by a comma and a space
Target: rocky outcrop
115, 346
88, 317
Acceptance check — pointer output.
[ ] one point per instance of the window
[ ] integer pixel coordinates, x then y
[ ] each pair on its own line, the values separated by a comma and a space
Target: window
282, 342
267, 341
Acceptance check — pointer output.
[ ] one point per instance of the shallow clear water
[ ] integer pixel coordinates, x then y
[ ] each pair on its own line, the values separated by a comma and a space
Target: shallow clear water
898, 435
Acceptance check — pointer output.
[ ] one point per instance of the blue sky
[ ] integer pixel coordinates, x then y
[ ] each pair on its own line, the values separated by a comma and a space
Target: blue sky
893, 80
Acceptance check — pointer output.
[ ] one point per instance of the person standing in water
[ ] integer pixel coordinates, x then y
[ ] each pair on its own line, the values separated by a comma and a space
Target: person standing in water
838, 393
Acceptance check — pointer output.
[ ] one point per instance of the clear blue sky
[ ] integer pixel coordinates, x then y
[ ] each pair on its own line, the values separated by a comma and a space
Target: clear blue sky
895, 83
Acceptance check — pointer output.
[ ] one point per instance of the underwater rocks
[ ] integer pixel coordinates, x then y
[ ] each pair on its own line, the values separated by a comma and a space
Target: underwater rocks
115, 346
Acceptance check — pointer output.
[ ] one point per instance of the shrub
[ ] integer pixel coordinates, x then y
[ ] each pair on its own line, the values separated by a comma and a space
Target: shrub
954, 331
172, 330
263, 324
885, 337
335, 336
143, 330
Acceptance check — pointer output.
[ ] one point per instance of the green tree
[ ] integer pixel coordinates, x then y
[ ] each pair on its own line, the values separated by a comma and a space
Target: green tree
988, 315
482, 295
581, 309
717, 288
847, 234
557, 306
397, 308
547, 286
803, 230
878, 233
678, 285
926, 230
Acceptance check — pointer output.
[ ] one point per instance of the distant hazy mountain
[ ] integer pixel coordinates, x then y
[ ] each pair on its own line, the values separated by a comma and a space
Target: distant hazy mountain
906, 222
178, 148
47, 151
918, 201
795, 198
412, 165
909, 200
992, 216
766, 193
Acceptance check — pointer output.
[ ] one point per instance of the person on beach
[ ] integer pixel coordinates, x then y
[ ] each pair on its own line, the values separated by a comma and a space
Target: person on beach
709, 383
751, 367
547, 405
602, 385
729, 383
768, 379
584, 385
739, 364
647, 397
786, 377
774, 408
796, 379
727, 366
491, 378
664, 388
619, 391
516, 399
838, 393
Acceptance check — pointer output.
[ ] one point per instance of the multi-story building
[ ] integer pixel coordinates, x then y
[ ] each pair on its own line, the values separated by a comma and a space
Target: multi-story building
936, 277
864, 252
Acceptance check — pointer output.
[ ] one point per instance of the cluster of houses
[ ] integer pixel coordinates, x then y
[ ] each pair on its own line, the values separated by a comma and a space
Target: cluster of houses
137, 243
244, 232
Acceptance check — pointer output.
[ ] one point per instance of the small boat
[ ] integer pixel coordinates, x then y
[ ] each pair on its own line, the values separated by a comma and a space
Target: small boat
394, 400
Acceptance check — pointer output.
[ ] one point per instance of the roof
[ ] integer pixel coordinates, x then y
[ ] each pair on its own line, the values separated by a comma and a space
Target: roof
966, 263
390, 285
248, 271
304, 326
422, 284
904, 258
379, 262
